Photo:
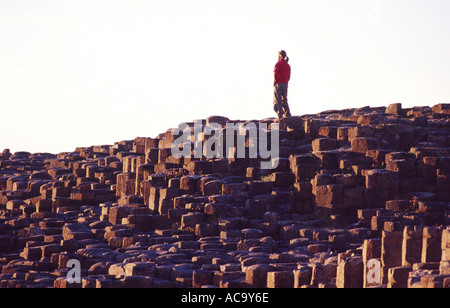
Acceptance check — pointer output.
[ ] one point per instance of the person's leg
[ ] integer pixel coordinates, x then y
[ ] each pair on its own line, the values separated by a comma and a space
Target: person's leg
284, 104
278, 101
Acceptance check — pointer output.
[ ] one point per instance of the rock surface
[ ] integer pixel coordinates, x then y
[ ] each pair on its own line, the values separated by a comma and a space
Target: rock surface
359, 198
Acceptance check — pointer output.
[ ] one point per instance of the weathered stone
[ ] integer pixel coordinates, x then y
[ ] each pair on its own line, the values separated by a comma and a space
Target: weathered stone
382, 179
212, 188
202, 278
405, 168
365, 144
283, 179
350, 272
256, 275
117, 213
442, 108
445, 245
412, 245
198, 167
435, 211
329, 198
324, 144
323, 273
431, 249
316, 248
76, 231
394, 109
328, 132
126, 184
360, 131
391, 252
139, 269
398, 205
354, 198
280, 279
398, 277
302, 277
190, 220
136, 216
329, 159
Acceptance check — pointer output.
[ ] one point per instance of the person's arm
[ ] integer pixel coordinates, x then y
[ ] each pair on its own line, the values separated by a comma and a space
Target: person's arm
276, 73
289, 72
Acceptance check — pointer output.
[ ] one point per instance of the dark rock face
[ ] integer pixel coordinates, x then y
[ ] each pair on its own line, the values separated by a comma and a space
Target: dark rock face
358, 198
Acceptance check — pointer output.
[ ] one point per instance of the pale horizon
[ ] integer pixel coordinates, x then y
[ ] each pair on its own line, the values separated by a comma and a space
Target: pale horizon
82, 73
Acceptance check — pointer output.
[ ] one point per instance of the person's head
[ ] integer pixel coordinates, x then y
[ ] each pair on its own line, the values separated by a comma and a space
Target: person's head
282, 55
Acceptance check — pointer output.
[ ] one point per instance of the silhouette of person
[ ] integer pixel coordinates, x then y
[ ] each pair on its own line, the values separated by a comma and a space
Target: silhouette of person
282, 74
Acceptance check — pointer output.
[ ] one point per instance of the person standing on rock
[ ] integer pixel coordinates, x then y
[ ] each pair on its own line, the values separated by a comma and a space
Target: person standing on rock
282, 75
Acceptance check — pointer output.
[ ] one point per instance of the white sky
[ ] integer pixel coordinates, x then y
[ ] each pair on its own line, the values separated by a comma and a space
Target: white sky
90, 72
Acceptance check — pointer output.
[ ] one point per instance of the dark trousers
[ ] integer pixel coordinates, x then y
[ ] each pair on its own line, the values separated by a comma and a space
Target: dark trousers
280, 101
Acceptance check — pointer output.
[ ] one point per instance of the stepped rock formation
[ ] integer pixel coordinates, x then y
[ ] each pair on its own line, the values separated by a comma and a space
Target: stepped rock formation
359, 198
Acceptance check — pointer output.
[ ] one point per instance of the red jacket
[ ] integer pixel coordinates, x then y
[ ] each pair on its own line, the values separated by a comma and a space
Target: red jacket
282, 72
